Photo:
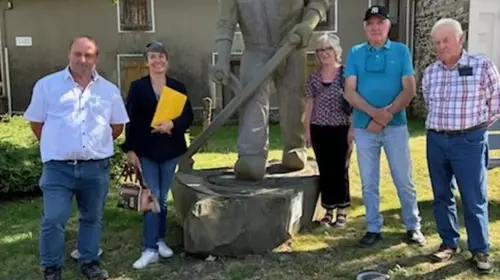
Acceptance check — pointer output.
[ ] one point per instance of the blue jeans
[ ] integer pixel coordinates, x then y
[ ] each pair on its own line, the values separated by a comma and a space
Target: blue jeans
395, 141
466, 158
158, 177
89, 183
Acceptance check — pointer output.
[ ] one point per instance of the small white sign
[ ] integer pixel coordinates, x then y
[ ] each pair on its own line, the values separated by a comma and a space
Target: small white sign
24, 41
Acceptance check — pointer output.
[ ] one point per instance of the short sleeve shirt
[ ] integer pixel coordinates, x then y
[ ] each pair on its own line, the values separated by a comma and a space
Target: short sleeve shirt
379, 74
327, 100
77, 122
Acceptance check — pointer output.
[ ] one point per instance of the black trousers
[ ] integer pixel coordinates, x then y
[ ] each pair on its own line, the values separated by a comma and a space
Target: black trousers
333, 154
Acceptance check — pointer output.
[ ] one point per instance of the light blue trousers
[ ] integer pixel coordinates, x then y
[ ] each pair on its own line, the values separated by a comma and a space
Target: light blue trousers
395, 141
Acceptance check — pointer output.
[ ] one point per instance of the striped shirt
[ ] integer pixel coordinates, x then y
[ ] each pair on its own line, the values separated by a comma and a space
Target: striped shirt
464, 96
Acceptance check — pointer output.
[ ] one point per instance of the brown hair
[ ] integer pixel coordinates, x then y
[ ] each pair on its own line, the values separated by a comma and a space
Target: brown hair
88, 38
155, 47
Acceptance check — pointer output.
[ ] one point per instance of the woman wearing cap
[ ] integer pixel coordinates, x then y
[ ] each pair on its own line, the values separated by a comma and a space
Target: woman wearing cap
328, 129
155, 151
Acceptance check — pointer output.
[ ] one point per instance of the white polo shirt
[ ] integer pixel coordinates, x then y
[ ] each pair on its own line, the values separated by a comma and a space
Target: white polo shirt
77, 121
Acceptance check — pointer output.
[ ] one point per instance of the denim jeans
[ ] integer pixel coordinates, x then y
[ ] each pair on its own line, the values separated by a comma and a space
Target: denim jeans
466, 158
395, 141
89, 183
158, 177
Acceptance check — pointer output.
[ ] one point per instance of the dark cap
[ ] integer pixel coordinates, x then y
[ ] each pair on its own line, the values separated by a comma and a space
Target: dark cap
156, 47
376, 10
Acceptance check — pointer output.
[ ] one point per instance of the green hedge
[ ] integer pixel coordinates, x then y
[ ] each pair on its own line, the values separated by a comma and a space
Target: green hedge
19, 157
20, 164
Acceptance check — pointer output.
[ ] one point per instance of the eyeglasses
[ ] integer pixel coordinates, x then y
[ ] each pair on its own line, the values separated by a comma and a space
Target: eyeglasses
329, 49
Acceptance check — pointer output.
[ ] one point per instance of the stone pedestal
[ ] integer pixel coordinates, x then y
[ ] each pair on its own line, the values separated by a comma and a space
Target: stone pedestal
221, 216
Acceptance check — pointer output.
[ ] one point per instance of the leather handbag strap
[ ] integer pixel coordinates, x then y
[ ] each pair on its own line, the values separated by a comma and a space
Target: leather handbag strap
128, 173
140, 178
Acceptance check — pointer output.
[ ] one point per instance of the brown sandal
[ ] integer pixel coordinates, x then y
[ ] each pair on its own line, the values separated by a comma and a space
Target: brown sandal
327, 220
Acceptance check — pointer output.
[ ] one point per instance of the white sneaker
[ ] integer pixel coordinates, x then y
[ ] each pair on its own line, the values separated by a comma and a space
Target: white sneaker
163, 250
147, 257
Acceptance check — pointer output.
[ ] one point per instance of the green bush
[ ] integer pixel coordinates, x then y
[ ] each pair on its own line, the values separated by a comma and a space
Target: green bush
19, 168
20, 164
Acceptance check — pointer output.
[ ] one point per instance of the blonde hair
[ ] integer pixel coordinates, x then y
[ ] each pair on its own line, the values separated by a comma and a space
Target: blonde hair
333, 41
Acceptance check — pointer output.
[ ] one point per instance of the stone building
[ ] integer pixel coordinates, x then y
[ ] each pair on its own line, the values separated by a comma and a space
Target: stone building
427, 12
34, 37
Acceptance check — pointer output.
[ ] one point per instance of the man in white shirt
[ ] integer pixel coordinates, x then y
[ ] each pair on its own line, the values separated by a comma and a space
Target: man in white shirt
75, 114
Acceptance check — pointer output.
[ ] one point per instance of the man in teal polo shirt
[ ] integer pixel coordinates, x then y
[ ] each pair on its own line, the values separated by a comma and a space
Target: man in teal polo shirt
380, 83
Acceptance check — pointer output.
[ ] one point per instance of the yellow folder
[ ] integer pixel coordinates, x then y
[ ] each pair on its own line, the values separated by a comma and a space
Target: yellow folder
170, 106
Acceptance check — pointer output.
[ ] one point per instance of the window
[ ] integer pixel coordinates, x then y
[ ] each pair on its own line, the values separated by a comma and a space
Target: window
330, 24
136, 15
130, 67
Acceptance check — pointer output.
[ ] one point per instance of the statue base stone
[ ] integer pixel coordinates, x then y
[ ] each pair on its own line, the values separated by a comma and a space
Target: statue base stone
222, 216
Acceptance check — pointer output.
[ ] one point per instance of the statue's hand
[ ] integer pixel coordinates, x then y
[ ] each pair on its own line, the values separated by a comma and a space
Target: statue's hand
219, 73
304, 32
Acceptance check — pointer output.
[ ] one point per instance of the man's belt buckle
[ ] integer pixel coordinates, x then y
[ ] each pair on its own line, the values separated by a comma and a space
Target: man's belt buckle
76, 161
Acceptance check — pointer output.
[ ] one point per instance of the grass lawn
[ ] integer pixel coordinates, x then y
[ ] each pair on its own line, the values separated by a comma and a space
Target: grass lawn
317, 254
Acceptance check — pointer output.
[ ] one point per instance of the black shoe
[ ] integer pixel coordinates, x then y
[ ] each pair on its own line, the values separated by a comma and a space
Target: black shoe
416, 237
93, 270
52, 273
370, 239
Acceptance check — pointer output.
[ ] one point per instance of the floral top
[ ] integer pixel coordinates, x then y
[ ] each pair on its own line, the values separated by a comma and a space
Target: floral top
327, 100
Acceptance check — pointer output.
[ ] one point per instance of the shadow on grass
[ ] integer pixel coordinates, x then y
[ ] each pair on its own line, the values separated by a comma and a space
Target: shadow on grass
452, 269
339, 258
393, 255
428, 221
121, 240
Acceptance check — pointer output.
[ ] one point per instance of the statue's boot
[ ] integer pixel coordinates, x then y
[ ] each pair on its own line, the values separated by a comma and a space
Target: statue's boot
250, 168
295, 159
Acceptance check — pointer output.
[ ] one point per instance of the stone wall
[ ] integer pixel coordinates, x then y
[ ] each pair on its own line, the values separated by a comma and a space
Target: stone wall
427, 12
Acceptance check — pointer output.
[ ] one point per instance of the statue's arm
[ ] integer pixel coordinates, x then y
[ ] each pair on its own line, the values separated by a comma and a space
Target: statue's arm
226, 26
316, 11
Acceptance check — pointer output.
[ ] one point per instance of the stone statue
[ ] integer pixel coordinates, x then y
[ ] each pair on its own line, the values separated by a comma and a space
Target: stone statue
248, 213
266, 26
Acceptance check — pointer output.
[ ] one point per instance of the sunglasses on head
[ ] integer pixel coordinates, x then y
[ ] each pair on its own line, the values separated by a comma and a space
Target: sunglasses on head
157, 43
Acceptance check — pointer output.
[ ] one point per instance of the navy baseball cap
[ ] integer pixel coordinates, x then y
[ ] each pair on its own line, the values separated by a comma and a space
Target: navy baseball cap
378, 11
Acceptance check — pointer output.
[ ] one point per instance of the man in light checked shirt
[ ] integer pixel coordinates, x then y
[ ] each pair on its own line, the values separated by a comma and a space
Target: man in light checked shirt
462, 95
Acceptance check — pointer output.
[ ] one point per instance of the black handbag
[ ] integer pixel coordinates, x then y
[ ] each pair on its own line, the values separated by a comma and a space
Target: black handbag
346, 106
